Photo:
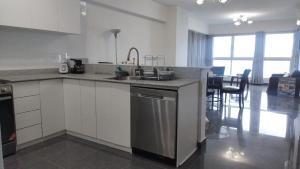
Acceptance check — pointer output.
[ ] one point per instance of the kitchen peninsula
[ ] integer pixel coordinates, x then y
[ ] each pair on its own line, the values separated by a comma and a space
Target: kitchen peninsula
95, 107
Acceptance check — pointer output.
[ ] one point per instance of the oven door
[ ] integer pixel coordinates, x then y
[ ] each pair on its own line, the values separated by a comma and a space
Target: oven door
7, 119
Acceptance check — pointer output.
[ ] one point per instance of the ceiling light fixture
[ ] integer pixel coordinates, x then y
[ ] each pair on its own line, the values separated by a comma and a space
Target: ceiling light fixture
223, 1
242, 19
201, 2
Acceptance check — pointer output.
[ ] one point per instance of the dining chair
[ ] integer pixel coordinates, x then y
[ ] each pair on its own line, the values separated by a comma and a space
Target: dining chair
218, 70
238, 90
238, 78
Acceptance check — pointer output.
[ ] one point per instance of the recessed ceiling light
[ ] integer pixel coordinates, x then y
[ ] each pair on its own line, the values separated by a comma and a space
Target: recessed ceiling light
200, 2
298, 22
250, 22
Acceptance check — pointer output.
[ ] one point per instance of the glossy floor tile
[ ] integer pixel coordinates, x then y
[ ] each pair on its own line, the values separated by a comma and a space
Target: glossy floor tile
260, 136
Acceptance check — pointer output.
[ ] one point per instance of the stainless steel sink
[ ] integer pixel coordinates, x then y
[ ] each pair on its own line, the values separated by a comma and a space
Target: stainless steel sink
126, 78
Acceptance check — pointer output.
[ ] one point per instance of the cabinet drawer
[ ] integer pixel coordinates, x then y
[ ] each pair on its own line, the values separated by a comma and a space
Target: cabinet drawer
26, 104
29, 134
28, 119
23, 89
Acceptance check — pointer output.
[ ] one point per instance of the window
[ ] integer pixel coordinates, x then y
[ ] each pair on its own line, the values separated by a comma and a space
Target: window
279, 45
222, 46
244, 46
278, 53
234, 52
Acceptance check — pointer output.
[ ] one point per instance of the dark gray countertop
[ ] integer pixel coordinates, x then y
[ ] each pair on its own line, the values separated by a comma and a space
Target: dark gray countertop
174, 84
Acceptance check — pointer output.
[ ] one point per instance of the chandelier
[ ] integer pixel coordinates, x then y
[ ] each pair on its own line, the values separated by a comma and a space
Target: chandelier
242, 19
201, 2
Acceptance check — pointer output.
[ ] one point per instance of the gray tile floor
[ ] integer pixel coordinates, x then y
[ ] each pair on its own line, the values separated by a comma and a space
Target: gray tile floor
256, 137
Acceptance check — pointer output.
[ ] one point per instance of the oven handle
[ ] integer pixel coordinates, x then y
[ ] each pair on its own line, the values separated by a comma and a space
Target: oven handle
5, 98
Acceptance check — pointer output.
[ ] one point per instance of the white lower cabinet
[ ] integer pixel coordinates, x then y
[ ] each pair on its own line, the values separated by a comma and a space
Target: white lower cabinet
95, 109
29, 134
52, 106
80, 108
72, 105
113, 113
88, 108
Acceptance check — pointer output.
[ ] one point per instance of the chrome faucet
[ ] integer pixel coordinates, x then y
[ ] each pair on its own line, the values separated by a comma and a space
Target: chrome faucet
138, 70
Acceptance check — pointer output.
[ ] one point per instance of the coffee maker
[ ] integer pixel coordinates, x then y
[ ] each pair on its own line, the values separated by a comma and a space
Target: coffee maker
76, 66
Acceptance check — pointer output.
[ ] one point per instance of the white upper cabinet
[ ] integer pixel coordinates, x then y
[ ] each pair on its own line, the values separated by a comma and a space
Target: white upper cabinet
15, 13
52, 106
49, 15
69, 16
44, 14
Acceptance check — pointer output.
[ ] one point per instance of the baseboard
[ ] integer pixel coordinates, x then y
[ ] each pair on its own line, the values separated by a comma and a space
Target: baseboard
40, 140
98, 141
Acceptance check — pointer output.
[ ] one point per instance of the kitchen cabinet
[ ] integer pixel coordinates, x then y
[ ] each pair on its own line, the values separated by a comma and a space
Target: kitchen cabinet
44, 14
69, 16
72, 105
23, 89
49, 15
52, 106
29, 134
26, 104
88, 119
27, 111
113, 113
80, 108
15, 13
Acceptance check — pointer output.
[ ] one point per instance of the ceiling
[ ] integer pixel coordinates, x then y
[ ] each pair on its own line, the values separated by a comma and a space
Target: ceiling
258, 10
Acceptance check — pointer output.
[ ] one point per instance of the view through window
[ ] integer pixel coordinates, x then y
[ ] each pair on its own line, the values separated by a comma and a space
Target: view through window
236, 53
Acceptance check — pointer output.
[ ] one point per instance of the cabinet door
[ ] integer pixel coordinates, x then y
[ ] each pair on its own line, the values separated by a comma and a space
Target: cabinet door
102, 107
52, 106
15, 13
113, 108
88, 108
69, 16
44, 14
72, 104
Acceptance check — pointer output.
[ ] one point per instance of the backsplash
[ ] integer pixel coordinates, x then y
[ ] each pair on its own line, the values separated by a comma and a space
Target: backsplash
180, 72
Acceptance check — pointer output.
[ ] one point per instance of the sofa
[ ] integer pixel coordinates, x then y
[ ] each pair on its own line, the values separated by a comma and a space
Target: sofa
274, 80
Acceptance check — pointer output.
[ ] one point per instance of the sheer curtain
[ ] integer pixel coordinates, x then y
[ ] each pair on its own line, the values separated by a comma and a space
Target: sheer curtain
296, 52
197, 44
258, 61
208, 55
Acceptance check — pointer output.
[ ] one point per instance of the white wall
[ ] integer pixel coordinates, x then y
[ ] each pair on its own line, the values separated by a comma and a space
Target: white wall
145, 34
266, 26
145, 8
182, 37
198, 26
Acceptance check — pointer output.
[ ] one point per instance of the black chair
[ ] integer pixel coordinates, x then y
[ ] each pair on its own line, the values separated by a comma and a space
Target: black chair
238, 90
210, 93
218, 70
216, 82
238, 78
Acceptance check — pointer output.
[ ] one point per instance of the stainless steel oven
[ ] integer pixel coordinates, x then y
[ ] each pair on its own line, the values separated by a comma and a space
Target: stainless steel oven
7, 120
154, 121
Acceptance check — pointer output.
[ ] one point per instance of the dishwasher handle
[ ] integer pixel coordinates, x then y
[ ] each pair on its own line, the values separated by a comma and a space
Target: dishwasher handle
156, 97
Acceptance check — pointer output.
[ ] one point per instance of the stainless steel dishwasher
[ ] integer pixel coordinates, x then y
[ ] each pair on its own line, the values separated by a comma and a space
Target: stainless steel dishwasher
153, 121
